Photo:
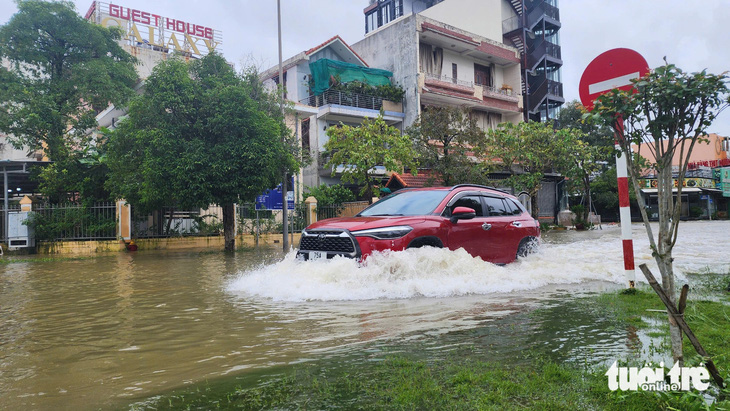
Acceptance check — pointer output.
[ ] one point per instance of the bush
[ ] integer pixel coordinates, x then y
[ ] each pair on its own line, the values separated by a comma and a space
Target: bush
386, 92
69, 223
330, 195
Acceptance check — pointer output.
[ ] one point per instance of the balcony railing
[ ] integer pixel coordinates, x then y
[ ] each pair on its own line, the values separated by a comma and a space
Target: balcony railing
344, 98
503, 93
445, 79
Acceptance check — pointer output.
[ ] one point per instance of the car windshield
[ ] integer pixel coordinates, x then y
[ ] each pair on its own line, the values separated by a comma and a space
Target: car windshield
406, 203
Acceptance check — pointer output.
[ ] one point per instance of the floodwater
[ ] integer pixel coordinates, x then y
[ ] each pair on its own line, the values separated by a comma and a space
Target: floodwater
103, 332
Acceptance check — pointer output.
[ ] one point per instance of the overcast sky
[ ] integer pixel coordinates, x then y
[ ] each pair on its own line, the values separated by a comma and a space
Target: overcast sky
691, 34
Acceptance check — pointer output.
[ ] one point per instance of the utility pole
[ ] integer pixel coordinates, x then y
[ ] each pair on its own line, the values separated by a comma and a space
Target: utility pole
284, 188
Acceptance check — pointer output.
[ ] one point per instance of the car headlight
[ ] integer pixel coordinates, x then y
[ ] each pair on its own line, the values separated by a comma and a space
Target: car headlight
384, 233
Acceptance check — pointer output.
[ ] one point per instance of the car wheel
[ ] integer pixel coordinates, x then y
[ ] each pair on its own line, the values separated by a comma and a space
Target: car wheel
528, 245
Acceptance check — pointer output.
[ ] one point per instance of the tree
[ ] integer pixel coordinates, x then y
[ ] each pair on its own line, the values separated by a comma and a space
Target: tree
527, 152
450, 143
58, 72
669, 111
360, 148
194, 138
595, 133
578, 161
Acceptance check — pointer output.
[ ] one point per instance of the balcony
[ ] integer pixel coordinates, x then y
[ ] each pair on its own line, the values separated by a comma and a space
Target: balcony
344, 106
504, 93
342, 98
446, 90
449, 83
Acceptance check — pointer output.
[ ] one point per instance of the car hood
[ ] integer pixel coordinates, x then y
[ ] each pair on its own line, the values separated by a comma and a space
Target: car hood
364, 223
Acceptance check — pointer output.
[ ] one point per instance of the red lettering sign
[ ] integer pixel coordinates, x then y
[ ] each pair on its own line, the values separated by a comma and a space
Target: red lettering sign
144, 17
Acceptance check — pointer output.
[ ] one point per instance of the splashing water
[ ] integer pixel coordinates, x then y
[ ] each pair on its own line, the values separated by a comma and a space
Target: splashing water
568, 258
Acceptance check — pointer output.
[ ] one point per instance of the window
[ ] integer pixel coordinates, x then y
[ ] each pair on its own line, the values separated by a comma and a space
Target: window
305, 135
454, 73
371, 21
483, 75
513, 208
496, 207
387, 13
474, 202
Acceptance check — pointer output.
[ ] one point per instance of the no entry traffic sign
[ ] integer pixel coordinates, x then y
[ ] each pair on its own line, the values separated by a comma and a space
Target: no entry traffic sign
612, 69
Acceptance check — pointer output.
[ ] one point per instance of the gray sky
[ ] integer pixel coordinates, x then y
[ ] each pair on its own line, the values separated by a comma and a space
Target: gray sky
692, 35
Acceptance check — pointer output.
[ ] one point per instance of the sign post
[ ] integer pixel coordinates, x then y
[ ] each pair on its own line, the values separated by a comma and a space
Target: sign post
614, 69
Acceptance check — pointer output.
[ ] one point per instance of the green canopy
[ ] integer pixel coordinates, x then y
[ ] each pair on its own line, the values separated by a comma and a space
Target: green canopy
323, 69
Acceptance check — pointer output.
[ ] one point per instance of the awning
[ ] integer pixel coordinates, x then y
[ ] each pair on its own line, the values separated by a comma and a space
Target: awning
684, 190
711, 190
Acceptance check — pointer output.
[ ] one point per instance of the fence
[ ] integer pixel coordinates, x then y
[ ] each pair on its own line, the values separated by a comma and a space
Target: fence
340, 210
52, 222
173, 222
256, 222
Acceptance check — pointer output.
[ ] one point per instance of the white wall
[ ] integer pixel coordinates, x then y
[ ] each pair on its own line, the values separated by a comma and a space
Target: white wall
464, 66
482, 17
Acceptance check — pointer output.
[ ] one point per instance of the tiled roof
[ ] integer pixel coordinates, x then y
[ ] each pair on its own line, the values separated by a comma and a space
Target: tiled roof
407, 180
337, 37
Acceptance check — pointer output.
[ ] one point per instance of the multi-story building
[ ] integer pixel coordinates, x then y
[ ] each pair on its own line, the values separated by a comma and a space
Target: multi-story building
499, 58
534, 30
316, 106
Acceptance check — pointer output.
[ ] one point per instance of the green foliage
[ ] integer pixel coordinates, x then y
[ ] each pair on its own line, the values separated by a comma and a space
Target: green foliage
59, 71
580, 213
670, 111
373, 143
527, 151
390, 92
330, 195
194, 138
71, 222
595, 133
449, 142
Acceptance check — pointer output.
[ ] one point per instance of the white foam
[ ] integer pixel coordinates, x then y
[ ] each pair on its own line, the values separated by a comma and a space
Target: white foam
430, 272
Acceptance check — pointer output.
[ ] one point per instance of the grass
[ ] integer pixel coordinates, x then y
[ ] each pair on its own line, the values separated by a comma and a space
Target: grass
469, 379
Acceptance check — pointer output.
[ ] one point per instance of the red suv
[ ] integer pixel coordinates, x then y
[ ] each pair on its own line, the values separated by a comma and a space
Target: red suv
486, 222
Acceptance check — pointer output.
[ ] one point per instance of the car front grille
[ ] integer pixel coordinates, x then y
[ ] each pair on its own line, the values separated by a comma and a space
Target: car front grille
327, 240
337, 244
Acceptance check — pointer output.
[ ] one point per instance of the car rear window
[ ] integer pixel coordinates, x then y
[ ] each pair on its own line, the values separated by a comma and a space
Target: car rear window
406, 203
497, 207
513, 206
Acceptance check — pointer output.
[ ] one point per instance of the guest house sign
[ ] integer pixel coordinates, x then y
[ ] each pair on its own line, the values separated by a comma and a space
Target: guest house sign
149, 30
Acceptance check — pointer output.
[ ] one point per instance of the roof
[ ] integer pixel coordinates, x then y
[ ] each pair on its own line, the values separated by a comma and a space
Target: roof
407, 180
304, 56
333, 40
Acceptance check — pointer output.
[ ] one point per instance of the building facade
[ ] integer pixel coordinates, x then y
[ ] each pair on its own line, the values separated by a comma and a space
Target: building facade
504, 53
317, 107
705, 193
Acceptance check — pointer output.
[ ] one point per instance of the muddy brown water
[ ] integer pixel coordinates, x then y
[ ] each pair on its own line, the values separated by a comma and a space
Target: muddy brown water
98, 333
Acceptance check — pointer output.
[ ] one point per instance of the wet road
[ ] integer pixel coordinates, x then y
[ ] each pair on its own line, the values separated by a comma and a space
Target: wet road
85, 334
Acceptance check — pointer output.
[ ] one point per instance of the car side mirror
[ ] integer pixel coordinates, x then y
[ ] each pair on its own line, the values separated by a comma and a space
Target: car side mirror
462, 213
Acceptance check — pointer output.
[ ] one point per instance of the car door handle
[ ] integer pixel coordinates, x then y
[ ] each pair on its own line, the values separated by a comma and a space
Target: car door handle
517, 224
486, 226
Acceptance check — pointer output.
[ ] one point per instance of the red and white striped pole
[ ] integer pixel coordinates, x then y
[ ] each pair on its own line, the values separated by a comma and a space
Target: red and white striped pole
624, 208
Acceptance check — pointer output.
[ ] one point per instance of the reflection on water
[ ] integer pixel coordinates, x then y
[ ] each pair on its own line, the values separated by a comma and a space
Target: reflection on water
91, 333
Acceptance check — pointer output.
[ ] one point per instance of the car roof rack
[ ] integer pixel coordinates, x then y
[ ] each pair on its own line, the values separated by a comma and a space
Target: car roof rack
480, 186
